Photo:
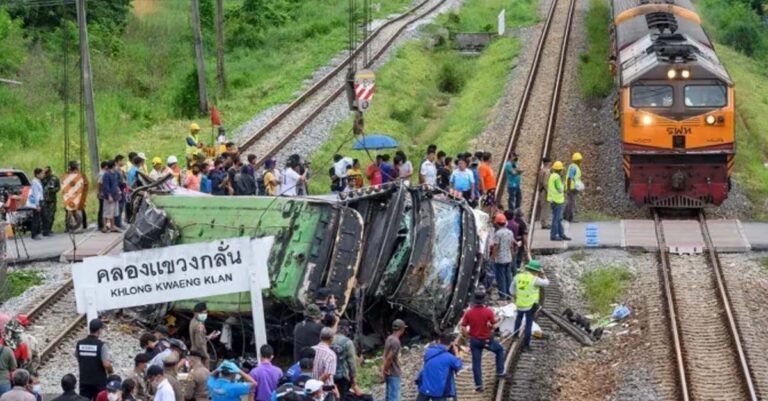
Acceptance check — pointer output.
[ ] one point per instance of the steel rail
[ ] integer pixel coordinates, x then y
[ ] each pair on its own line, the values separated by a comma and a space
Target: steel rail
513, 353
330, 98
79, 321
727, 307
674, 321
325, 79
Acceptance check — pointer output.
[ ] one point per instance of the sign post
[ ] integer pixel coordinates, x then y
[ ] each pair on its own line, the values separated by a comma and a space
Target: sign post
502, 22
365, 85
161, 275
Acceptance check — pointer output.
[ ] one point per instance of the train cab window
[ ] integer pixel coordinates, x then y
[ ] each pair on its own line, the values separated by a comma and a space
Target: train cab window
652, 96
706, 95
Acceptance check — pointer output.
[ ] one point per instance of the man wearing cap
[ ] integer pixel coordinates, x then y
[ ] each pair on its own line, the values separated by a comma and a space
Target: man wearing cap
176, 347
502, 250
113, 381
307, 332
346, 366
193, 142
139, 367
573, 185
436, 381
196, 388
324, 366
197, 335
179, 175
161, 333
223, 385
525, 289
157, 169
479, 322
114, 389
391, 367
326, 301
156, 378
138, 166
93, 360
170, 370
313, 390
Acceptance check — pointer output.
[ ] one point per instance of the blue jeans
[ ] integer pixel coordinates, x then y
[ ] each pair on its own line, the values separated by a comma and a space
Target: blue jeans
514, 198
393, 388
528, 324
557, 231
4, 388
477, 347
519, 256
503, 278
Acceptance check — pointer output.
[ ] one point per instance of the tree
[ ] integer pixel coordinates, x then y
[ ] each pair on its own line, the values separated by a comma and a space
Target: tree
12, 44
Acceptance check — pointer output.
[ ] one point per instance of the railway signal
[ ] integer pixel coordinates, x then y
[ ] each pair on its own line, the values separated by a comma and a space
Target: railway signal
364, 86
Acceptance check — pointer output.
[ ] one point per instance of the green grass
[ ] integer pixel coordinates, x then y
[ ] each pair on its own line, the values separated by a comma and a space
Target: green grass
764, 262
369, 373
579, 256
595, 80
481, 15
410, 106
597, 215
604, 286
751, 87
20, 280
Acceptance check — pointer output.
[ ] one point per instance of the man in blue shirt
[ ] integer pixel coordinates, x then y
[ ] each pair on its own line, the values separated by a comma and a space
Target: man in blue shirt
387, 172
223, 384
35, 202
512, 173
436, 380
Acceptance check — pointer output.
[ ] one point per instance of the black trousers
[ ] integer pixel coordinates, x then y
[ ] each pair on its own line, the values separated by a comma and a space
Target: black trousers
48, 215
36, 223
101, 212
343, 385
90, 391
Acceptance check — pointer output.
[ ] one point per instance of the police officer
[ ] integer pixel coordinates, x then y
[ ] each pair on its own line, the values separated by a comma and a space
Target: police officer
525, 288
197, 334
51, 187
94, 361
556, 199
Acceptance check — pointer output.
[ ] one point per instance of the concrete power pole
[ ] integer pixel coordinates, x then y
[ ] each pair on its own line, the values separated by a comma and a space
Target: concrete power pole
85, 70
220, 48
198, 35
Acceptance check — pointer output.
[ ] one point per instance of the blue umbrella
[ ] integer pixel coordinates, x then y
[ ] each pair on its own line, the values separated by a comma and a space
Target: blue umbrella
375, 142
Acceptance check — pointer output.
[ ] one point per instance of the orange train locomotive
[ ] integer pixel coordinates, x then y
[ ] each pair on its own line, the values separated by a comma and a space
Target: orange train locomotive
675, 105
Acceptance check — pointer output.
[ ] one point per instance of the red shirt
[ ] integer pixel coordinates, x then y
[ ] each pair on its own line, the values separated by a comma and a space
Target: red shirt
102, 396
480, 320
374, 174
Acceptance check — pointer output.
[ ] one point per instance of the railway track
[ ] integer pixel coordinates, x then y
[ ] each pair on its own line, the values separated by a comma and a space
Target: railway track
281, 129
54, 319
709, 359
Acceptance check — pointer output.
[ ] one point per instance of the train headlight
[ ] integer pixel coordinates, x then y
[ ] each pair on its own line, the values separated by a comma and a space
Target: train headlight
647, 120
710, 119
671, 74
685, 74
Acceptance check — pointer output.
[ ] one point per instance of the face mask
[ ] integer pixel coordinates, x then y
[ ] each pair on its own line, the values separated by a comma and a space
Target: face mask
201, 317
37, 388
113, 397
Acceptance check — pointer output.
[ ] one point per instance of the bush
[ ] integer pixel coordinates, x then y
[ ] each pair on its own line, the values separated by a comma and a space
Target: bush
744, 36
188, 97
604, 286
12, 44
451, 79
594, 79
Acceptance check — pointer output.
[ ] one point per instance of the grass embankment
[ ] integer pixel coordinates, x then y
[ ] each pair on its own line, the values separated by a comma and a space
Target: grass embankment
19, 281
137, 90
751, 83
604, 286
595, 80
435, 95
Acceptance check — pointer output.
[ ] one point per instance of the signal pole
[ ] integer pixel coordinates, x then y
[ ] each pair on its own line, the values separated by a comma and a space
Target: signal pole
85, 72
220, 48
198, 35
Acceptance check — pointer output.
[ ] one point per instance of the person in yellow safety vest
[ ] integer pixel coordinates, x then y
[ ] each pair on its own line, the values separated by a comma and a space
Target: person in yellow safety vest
556, 199
574, 185
525, 288
193, 142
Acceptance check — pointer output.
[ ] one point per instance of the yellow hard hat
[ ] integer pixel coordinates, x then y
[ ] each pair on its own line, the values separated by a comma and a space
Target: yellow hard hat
558, 165
194, 127
156, 161
576, 157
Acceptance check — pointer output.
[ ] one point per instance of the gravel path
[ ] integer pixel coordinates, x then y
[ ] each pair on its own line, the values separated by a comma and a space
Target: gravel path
320, 128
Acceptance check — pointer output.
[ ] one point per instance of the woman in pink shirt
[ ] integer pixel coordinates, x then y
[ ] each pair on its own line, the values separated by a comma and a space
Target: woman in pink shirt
192, 181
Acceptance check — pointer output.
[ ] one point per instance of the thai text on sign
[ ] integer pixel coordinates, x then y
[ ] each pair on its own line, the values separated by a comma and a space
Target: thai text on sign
172, 273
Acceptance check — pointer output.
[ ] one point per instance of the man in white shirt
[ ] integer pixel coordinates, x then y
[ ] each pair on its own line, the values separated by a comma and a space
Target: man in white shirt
291, 180
34, 202
164, 390
428, 169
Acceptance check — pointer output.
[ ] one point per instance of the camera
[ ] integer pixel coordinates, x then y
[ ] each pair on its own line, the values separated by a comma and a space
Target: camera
328, 388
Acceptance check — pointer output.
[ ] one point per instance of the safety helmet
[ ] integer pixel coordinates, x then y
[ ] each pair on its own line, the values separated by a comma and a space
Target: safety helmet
558, 165
194, 127
500, 219
156, 161
172, 160
576, 157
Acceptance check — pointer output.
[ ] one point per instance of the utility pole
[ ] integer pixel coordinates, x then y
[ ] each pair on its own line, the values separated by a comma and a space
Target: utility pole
220, 48
85, 72
198, 35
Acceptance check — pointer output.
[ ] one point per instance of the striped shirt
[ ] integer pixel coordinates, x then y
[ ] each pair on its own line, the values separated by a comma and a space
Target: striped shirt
325, 362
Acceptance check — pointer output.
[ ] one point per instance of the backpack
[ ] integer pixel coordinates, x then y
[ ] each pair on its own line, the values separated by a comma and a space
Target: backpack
340, 349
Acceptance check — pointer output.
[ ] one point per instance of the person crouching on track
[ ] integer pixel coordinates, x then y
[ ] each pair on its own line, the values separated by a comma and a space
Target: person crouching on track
479, 322
525, 288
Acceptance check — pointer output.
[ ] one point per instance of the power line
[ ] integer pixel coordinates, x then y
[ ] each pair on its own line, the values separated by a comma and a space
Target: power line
37, 3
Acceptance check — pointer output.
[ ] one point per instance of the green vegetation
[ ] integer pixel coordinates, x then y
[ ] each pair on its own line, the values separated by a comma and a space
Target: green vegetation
579, 256
737, 23
764, 262
594, 78
476, 18
20, 280
425, 96
369, 372
605, 285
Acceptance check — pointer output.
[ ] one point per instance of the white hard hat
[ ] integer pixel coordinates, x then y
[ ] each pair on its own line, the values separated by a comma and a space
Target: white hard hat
312, 386
171, 160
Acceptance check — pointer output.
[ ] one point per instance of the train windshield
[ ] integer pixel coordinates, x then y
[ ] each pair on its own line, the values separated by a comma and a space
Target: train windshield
706, 95
652, 96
